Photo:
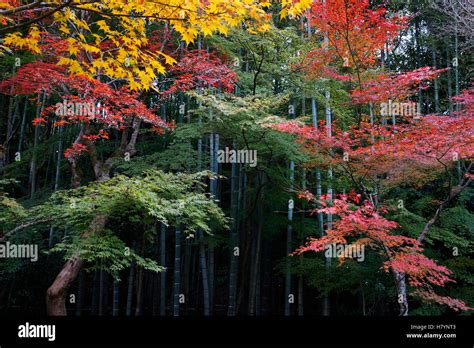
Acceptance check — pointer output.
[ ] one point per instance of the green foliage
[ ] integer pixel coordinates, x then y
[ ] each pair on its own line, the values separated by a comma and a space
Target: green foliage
166, 197
263, 61
173, 199
178, 157
348, 278
104, 251
243, 121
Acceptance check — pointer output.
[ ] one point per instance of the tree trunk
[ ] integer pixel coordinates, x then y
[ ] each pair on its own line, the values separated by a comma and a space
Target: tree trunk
255, 265
289, 247
417, 39
258, 299
204, 273
56, 179
177, 273
300, 291
326, 300
289, 233
215, 193
131, 278
57, 292
57, 174
12, 104
436, 81
319, 191
156, 277
186, 272
400, 280
102, 290
163, 274
300, 257
116, 298
234, 242
95, 293
456, 69
140, 273
13, 111
22, 126
32, 177
448, 75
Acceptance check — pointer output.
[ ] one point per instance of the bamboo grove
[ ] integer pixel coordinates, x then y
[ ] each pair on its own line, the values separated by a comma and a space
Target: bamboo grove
236, 157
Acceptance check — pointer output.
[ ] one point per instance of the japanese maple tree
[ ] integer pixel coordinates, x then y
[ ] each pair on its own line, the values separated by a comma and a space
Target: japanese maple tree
353, 35
397, 86
110, 107
361, 223
414, 152
200, 69
94, 30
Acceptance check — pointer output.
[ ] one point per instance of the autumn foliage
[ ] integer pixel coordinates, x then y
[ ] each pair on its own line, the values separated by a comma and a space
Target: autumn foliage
353, 35
415, 151
104, 106
361, 223
412, 151
400, 86
200, 69
108, 80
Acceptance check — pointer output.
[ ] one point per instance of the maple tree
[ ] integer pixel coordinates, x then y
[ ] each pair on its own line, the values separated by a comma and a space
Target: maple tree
374, 156
413, 152
353, 34
362, 223
200, 69
107, 51
397, 86
106, 107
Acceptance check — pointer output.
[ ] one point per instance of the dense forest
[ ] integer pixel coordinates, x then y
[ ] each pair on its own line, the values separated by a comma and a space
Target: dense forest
236, 157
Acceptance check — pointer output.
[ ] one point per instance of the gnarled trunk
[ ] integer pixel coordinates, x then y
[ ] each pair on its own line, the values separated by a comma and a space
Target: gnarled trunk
400, 279
57, 292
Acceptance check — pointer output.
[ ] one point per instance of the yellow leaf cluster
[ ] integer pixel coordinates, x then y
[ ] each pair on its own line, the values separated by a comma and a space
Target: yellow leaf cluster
294, 8
115, 44
28, 42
